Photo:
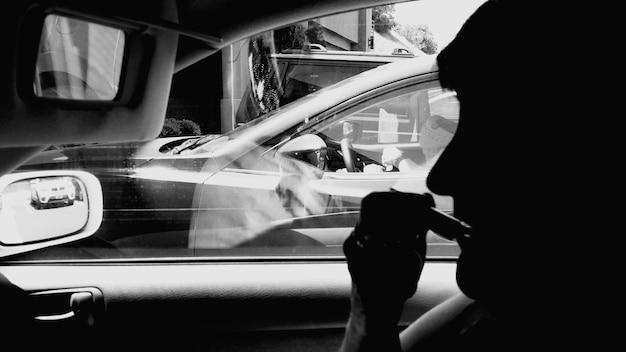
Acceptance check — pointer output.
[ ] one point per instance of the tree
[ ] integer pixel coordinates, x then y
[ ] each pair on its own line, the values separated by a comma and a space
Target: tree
315, 33
189, 128
295, 37
292, 37
383, 19
420, 36
170, 128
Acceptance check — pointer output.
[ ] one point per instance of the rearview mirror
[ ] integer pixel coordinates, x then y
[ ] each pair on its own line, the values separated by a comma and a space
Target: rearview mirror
46, 208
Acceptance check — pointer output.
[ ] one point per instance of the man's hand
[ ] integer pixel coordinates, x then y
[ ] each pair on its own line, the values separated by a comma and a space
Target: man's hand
391, 157
385, 255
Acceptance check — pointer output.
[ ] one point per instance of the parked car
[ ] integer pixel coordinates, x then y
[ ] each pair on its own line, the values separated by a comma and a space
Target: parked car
292, 177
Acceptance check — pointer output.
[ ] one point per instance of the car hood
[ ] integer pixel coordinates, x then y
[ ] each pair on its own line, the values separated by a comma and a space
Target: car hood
127, 155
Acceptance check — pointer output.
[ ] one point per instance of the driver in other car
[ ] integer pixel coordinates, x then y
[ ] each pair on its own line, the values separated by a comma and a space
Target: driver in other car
435, 134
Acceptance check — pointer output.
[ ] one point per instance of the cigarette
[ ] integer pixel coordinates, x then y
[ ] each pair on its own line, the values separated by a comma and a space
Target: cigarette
448, 226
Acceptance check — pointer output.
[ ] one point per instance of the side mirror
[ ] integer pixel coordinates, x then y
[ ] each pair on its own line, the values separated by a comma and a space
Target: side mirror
308, 148
46, 208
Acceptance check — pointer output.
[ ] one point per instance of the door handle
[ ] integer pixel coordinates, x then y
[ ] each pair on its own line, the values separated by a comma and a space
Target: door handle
80, 305
79, 302
56, 317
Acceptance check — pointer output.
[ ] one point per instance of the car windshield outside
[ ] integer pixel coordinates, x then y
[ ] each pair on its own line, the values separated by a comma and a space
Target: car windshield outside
269, 146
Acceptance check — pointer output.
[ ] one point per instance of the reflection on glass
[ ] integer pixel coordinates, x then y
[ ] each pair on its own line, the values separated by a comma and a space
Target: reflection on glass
42, 208
52, 192
78, 60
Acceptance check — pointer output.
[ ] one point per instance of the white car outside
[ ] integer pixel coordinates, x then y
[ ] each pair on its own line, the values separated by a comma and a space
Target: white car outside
53, 192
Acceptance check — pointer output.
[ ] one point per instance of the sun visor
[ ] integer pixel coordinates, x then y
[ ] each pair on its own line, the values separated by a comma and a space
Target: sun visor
80, 78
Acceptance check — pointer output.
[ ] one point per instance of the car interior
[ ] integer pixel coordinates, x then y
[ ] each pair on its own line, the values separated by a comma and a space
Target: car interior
66, 290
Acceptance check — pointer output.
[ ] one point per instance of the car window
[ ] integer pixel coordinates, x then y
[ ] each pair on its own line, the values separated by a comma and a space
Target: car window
303, 79
405, 121
268, 148
412, 125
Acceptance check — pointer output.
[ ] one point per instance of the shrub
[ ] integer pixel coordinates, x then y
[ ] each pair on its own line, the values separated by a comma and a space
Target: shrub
173, 127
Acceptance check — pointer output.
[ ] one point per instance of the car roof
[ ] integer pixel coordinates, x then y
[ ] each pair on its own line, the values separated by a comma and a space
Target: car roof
370, 80
349, 56
380, 76
319, 53
214, 23
338, 93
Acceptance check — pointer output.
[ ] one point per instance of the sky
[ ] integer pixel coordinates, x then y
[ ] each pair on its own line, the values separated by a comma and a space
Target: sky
443, 17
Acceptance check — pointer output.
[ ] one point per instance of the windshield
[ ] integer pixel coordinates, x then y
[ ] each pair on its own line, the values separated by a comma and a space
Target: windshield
262, 154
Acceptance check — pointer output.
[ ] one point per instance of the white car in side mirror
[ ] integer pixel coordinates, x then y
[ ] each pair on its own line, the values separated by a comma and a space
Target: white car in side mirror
46, 208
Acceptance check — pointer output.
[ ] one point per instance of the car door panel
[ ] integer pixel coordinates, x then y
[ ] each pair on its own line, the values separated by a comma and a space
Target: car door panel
352, 187
292, 305
242, 208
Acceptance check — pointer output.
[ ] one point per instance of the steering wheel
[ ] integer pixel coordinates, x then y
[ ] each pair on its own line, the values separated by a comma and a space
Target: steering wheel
348, 155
